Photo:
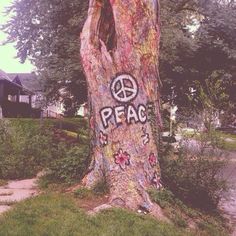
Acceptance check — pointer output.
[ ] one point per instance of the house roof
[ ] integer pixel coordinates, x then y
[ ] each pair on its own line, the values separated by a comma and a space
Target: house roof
25, 85
13, 86
28, 81
4, 76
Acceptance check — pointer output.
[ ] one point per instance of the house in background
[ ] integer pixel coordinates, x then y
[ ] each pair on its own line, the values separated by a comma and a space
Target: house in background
21, 95
83, 110
32, 83
10, 89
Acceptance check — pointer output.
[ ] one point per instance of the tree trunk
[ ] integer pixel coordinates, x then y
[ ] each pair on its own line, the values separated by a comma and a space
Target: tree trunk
119, 50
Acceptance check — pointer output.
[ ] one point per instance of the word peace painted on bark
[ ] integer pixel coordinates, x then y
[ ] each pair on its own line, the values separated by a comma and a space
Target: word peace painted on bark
124, 89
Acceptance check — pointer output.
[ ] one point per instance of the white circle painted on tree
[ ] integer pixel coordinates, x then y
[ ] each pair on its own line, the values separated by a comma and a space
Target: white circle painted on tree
124, 88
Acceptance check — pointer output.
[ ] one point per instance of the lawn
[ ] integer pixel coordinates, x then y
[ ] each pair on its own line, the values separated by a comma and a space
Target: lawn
227, 140
57, 214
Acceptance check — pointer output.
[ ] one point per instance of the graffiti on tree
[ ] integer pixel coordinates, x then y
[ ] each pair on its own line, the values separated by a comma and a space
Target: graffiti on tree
103, 138
124, 89
156, 180
122, 159
152, 160
145, 137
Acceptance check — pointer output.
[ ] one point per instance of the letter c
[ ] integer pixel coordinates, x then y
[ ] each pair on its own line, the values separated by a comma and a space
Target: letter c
142, 114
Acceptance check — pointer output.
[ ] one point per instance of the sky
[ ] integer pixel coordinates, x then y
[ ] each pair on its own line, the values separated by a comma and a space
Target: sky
8, 61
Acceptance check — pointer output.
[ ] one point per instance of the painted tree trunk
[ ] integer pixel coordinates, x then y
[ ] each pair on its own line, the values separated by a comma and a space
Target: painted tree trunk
119, 50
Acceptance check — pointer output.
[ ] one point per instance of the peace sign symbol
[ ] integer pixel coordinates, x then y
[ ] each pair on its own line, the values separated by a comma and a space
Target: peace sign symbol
124, 88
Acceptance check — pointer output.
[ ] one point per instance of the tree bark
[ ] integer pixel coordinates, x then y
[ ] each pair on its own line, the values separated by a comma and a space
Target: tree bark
119, 50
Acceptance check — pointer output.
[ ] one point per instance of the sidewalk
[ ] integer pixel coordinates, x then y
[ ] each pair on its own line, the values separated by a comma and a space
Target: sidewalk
16, 191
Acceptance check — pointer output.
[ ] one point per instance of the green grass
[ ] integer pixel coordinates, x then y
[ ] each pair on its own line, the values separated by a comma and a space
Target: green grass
229, 145
71, 134
69, 124
54, 214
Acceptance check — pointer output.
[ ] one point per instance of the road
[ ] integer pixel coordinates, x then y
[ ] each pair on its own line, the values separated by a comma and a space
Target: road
228, 202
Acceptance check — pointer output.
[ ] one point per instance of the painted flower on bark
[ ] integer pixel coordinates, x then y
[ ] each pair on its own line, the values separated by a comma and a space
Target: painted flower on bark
122, 159
152, 160
103, 138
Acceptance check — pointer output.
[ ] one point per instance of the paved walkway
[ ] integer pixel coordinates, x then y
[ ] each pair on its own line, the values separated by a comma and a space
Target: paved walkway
16, 191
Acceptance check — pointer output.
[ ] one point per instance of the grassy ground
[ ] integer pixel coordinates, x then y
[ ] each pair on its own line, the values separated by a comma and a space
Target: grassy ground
54, 214
228, 141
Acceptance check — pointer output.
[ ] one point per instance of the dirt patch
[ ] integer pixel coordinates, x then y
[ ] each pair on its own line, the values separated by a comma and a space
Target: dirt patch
88, 204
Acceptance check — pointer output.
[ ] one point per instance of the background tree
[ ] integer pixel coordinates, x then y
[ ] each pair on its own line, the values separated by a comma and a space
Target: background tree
198, 41
202, 49
46, 32
215, 58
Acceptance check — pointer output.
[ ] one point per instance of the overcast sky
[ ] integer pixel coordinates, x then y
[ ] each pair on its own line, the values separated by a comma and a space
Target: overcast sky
8, 62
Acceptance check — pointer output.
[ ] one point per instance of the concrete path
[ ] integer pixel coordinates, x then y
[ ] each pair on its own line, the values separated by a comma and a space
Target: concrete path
16, 191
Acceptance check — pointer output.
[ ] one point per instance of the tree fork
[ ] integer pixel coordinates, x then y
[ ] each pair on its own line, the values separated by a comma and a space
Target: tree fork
119, 50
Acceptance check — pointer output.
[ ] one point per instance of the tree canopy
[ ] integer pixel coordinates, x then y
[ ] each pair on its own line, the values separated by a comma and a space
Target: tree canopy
198, 44
198, 52
47, 32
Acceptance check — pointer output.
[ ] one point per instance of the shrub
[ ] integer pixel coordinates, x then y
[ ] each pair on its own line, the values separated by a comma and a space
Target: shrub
194, 177
72, 166
24, 149
163, 197
179, 221
27, 147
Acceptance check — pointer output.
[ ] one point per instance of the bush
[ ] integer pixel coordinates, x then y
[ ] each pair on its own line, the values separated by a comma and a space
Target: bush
163, 198
72, 166
24, 149
27, 147
195, 177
